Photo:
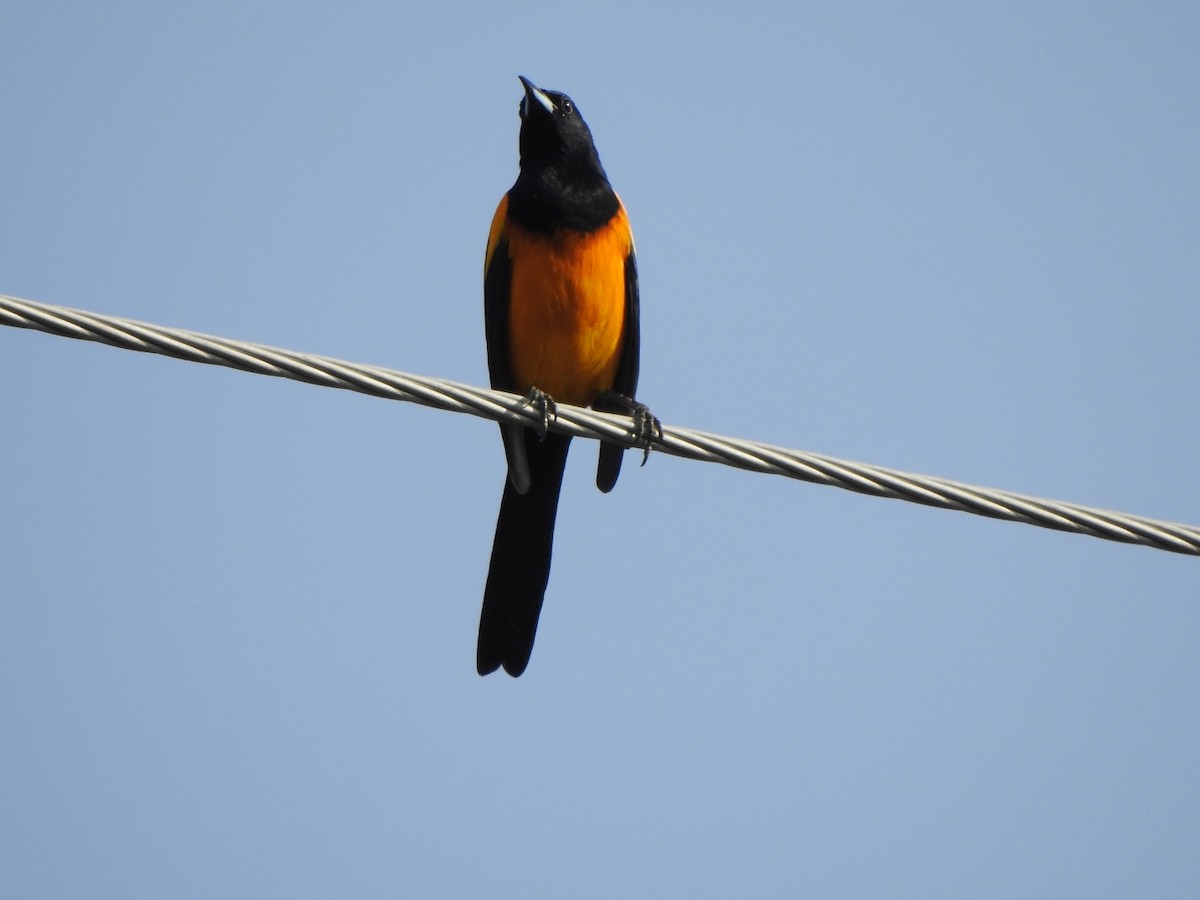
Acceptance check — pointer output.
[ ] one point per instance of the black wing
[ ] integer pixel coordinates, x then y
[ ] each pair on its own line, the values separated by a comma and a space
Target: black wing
625, 382
497, 288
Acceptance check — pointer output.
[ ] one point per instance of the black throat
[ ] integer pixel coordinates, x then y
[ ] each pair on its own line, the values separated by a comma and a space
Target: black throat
548, 197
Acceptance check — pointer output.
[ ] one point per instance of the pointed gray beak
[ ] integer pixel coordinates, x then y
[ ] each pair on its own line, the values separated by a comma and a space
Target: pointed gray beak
533, 92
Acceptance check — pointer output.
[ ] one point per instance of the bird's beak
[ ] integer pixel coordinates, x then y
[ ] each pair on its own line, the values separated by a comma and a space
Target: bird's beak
532, 92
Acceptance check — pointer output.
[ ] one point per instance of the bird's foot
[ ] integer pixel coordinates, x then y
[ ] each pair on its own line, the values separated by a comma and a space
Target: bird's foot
543, 403
646, 426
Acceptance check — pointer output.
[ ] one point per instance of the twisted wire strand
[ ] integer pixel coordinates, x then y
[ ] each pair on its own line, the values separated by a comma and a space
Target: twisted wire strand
690, 444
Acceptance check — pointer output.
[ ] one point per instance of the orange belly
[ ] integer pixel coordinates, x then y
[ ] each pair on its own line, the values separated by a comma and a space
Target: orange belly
566, 314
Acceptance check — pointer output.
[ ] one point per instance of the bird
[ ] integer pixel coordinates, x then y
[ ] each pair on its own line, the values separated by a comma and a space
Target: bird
561, 310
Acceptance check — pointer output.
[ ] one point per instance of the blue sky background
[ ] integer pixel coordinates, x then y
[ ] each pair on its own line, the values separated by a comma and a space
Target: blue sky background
238, 614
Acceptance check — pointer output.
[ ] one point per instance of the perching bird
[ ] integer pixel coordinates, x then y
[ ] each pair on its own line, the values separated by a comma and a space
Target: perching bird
560, 303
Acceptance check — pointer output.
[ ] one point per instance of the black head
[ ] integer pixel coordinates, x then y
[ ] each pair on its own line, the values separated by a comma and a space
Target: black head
561, 183
552, 130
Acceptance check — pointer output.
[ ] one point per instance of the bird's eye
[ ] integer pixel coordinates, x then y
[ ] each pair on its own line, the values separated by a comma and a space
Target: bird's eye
566, 106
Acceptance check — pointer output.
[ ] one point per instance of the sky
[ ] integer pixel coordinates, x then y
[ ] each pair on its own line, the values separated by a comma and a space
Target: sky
238, 614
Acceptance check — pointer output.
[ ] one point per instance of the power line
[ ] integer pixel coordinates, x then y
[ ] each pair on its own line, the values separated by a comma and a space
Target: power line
501, 406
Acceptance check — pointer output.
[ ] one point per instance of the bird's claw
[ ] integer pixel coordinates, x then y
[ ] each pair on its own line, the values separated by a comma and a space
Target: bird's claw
647, 427
543, 403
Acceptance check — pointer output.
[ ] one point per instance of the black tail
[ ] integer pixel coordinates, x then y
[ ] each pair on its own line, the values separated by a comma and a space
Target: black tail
520, 567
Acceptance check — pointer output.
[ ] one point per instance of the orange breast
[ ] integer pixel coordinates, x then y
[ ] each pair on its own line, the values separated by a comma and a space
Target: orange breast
566, 313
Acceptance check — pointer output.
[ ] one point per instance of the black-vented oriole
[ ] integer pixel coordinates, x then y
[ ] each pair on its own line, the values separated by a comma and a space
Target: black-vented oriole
561, 315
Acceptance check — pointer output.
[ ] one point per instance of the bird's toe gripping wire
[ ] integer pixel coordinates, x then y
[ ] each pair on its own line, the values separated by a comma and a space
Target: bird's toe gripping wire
646, 426
543, 403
